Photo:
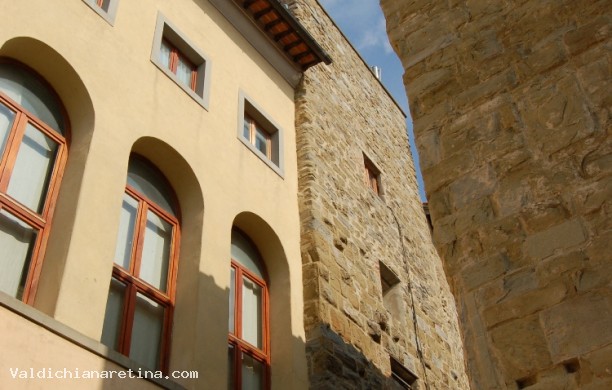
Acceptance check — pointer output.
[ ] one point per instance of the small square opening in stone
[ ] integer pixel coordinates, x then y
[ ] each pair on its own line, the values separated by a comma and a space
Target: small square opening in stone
403, 377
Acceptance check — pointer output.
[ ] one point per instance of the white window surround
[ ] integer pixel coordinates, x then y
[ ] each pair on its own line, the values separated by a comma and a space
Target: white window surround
247, 106
108, 15
164, 29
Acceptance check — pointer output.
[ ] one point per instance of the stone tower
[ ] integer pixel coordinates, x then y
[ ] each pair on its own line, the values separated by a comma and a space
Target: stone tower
375, 294
511, 107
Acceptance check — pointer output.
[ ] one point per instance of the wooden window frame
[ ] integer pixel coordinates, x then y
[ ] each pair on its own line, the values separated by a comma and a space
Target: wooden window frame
235, 339
41, 222
372, 176
253, 126
166, 33
258, 121
174, 56
133, 284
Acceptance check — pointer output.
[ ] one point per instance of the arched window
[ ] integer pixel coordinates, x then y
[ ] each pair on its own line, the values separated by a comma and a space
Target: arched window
33, 151
141, 295
249, 342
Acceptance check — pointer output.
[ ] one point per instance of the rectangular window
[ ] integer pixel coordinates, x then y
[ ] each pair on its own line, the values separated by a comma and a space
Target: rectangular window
372, 176
177, 63
259, 133
257, 136
403, 378
391, 292
103, 4
107, 9
181, 61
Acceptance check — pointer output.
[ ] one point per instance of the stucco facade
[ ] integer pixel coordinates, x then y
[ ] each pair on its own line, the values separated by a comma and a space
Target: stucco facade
118, 102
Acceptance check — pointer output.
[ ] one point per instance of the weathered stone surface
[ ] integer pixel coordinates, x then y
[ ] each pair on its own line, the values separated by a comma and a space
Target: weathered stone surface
520, 345
560, 237
511, 108
572, 325
343, 114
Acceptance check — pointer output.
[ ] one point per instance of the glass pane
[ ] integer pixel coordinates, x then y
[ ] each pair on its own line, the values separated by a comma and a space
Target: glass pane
6, 122
104, 4
261, 141
114, 314
244, 252
232, 299
125, 237
150, 183
230, 366
145, 345
32, 170
251, 313
35, 96
246, 130
252, 373
156, 251
16, 243
184, 70
165, 51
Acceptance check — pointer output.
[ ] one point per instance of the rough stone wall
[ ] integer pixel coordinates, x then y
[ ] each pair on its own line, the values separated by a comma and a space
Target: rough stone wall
342, 113
511, 107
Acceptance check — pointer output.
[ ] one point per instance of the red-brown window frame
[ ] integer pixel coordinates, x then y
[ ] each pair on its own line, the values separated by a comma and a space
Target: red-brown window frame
175, 55
371, 176
130, 278
39, 221
235, 339
253, 125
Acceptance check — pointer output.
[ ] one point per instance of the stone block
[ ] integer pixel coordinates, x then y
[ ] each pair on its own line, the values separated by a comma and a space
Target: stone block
547, 56
596, 277
578, 325
483, 271
598, 384
525, 304
429, 148
429, 82
598, 251
474, 185
585, 36
514, 191
444, 173
445, 230
520, 282
488, 45
554, 267
542, 216
486, 89
600, 362
477, 214
599, 161
553, 114
520, 346
560, 237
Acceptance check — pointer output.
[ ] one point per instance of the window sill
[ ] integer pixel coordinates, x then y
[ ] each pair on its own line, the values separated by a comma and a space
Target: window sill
199, 99
50, 324
263, 157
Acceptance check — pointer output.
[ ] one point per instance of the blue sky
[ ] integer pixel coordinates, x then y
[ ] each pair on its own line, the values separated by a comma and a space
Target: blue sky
363, 23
